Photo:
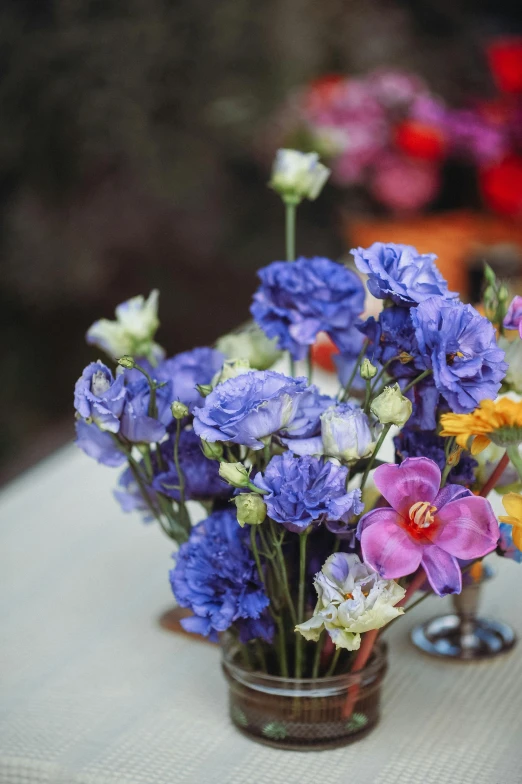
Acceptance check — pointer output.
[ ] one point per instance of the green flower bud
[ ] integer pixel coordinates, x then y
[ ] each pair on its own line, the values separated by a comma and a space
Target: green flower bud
368, 370
179, 410
126, 362
214, 451
204, 389
251, 509
235, 474
391, 407
231, 368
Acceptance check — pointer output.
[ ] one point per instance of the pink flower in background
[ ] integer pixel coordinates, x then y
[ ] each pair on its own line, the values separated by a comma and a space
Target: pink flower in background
425, 525
405, 184
513, 319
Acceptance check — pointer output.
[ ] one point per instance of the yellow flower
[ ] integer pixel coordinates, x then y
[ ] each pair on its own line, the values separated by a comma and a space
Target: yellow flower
513, 506
498, 421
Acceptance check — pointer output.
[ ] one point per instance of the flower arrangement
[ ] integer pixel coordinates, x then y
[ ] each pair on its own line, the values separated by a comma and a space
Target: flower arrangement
310, 544
387, 133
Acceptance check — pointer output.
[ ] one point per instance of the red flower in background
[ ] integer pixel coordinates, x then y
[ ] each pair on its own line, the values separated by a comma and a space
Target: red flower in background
323, 351
322, 91
501, 186
420, 140
505, 61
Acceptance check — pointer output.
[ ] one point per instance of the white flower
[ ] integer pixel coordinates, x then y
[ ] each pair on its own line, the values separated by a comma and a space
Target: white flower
235, 474
346, 433
351, 599
251, 344
391, 407
133, 330
298, 175
231, 369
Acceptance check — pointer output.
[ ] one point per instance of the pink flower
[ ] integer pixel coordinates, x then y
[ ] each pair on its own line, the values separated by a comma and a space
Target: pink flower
425, 526
513, 319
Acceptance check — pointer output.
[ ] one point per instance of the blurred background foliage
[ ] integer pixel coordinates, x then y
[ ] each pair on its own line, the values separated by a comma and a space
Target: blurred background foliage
135, 143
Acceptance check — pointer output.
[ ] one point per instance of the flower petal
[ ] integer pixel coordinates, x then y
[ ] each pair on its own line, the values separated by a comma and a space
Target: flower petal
415, 479
442, 570
470, 528
513, 505
479, 444
386, 547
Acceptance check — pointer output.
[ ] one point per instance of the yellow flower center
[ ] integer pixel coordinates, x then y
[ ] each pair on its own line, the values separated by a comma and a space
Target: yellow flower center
421, 517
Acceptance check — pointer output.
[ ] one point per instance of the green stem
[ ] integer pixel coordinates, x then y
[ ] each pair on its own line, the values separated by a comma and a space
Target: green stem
284, 574
255, 551
333, 663
371, 461
290, 230
309, 365
367, 397
317, 655
292, 365
153, 408
514, 456
346, 392
382, 371
183, 513
416, 380
281, 646
301, 603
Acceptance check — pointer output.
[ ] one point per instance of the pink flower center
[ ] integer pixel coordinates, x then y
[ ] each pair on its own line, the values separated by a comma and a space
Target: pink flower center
421, 520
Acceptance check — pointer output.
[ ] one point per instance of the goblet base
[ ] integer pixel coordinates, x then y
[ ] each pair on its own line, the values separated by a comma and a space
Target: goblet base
463, 639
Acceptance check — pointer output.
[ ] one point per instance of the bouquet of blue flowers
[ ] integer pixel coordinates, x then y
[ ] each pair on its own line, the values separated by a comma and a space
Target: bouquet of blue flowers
309, 543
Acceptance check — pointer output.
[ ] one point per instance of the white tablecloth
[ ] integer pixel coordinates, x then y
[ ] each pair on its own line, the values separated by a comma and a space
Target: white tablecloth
92, 690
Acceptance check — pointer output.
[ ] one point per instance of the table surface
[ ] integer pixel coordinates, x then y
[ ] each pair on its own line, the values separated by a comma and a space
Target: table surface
93, 691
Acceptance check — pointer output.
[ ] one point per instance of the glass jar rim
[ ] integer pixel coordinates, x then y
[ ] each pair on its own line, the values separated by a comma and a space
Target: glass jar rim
289, 686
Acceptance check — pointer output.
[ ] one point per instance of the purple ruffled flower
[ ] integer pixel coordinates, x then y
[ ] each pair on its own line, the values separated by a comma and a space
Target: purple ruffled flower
391, 335
202, 480
459, 345
216, 576
306, 490
298, 300
426, 443
400, 273
187, 369
425, 526
98, 396
98, 444
136, 424
250, 407
513, 319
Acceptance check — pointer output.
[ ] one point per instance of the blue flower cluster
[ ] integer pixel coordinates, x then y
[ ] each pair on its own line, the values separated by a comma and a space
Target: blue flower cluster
297, 301
426, 443
215, 575
305, 490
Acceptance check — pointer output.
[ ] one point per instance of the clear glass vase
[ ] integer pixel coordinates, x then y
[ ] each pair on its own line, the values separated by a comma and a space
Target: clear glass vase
304, 713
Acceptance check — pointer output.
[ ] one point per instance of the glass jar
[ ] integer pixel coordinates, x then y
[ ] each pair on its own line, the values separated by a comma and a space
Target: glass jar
304, 713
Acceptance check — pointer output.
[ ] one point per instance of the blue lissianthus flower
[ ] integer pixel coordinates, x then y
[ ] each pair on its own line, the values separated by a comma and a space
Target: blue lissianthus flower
187, 369
426, 443
347, 433
215, 575
98, 396
136, 424
306, 490
459, 345
245, 409
401, 273
202, 480
303, 435
98, 444
298, 300
391, 335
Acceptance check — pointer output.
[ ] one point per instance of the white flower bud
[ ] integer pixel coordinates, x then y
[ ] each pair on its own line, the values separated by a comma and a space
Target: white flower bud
235, 474
298, 175
251, 509
251, 344
391, 407
126, 362
231, 368
368, 371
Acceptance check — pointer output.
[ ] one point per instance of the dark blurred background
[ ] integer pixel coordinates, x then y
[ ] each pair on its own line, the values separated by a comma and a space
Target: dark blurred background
135, 144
